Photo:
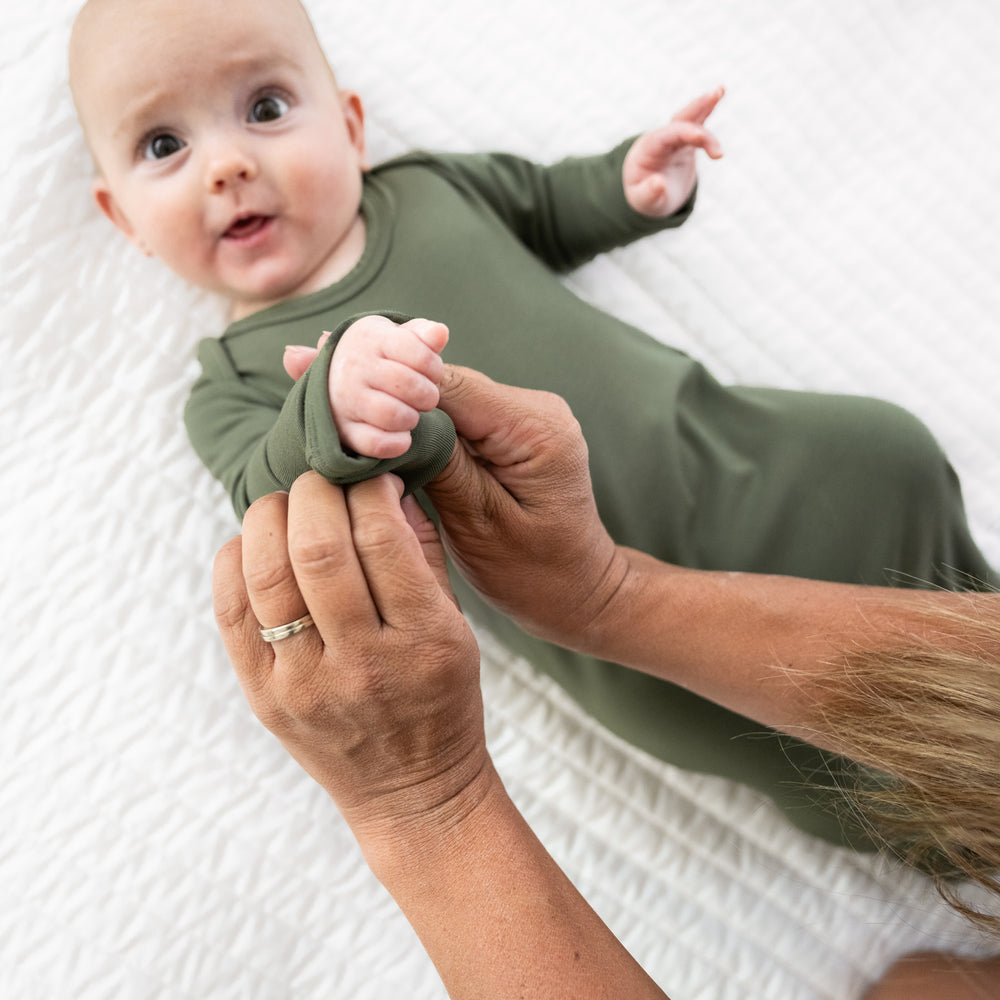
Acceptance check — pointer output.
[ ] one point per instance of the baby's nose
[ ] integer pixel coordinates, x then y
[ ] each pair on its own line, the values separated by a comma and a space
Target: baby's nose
227, 166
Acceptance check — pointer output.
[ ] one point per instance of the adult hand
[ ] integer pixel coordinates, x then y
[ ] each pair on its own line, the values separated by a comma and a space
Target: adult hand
517, 510
516, 505
519, 519
380, 702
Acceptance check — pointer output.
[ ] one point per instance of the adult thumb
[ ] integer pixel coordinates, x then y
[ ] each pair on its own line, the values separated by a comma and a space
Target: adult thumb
498, 422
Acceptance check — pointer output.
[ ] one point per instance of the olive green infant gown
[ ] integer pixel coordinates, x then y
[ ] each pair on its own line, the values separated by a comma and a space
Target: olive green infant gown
827, 487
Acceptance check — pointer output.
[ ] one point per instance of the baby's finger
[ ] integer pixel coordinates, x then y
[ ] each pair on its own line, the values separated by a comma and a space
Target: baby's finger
701, 107
375, 442
383, 410
664, 142
652, 192
434, 335
709, 142
401, 381
416, 345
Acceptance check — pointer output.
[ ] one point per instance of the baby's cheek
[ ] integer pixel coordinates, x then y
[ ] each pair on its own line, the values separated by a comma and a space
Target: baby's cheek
180, 242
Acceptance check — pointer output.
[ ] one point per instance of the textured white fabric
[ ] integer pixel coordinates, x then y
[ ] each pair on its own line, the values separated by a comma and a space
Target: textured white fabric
155, 841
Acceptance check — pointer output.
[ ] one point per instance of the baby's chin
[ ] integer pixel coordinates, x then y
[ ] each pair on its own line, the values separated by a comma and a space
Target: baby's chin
245, 302
241, 308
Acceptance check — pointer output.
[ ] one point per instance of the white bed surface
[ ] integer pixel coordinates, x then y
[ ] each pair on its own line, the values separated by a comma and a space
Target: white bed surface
155, 842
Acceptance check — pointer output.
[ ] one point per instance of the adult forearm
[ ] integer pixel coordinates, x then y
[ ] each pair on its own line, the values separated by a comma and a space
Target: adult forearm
519, 517
768, 646
497, 915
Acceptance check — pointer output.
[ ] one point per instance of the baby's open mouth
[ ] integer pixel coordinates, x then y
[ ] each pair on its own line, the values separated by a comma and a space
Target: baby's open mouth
246, 227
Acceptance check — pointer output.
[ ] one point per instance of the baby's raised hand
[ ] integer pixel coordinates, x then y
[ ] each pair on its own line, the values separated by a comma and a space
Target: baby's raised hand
383, 375
660, 169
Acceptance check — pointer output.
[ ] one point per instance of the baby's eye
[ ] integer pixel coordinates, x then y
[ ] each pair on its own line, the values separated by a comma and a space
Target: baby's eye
268, 109
159, 147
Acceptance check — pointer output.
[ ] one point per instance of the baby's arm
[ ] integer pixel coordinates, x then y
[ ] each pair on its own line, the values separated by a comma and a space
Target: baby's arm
659, 172
382, 376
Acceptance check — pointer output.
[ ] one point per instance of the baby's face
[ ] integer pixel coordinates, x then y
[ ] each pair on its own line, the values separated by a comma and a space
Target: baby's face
223, 145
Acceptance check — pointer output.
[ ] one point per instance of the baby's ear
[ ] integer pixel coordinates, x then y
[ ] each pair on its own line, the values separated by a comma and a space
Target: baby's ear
354, 118
107, 204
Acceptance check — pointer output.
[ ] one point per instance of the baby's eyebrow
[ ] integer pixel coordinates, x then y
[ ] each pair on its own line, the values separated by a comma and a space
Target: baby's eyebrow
143, 109
139, 112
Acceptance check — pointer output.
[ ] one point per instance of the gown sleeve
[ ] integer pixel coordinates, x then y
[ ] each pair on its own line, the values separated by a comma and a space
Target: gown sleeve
256, 444
566, 213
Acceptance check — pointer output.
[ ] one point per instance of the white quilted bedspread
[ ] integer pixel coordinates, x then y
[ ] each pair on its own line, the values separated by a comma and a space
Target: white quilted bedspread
155, 841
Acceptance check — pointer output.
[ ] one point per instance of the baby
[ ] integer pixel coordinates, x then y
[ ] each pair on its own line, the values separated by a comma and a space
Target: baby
225, 148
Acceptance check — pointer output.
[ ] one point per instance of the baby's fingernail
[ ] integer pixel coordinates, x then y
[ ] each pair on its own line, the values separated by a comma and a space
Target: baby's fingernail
297, 351
422, 327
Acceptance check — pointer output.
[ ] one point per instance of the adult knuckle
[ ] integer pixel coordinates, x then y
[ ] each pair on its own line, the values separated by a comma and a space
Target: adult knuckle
264, 507
549, 405
314, 552
557, 418
460, 383
456, 655
270, 714
266, 579
228, 598
569, 427
230, 611
307, 701
561, 411
374, 535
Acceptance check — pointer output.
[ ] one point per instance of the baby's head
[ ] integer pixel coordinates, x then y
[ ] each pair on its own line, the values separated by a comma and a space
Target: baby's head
222, 143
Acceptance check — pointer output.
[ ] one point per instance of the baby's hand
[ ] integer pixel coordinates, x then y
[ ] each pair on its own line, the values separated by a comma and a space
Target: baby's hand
382, 376
660, 170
